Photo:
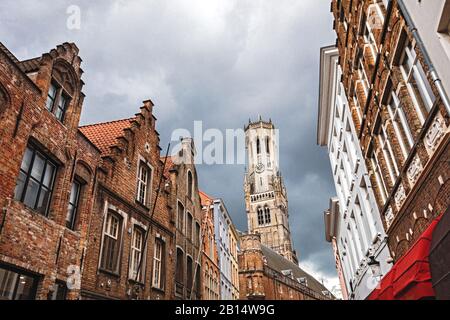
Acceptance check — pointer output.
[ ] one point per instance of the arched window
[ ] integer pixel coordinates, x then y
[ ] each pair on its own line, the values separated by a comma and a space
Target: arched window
190, 184
268, 145
258, 146
267, 216
260, 216
179, 272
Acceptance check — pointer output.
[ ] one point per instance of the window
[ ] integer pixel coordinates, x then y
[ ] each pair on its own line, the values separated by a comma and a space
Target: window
190, 185
57, 101
111, 243
260, 216
14, 285
179, 272
401, 126
388, 155
59, 291
158, 264
189, 226
268, 145
143, 183
73, 205
137, 249
379, 178
35, 183
267, 216
197, 234
418, 86
258, 146
51, 97
197, 282
180, 218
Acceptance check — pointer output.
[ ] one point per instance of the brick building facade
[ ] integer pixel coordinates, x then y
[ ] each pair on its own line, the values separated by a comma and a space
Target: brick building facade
185, 208
400, 111
119, 262
43, 157
86, 211
210, 255
266, 275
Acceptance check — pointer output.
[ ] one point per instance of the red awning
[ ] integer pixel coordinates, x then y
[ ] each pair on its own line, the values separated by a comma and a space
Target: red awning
410, 278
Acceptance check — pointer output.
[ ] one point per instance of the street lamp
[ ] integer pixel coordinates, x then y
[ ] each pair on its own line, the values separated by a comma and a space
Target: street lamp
375, 267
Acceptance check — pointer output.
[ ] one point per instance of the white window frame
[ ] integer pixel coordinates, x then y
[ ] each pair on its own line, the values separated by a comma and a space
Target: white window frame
136, 254
398, 117
106, 213
388, 154
158, 264
415, 70
142, 183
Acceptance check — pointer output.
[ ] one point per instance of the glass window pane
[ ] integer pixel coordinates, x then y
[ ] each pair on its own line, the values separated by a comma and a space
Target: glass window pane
26, 161
44, 199
7, 283
24, 288
74, 193
31, 193
49, 175
38, 167
20, 186
59, 114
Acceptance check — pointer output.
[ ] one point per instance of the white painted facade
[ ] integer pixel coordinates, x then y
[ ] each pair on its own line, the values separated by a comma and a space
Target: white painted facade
357, 228
222, 228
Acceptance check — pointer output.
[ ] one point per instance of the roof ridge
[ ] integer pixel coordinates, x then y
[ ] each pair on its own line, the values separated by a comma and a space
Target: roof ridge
106, 122
8, 53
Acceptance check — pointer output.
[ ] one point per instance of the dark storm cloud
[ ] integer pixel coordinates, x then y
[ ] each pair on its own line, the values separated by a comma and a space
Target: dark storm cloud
221, 62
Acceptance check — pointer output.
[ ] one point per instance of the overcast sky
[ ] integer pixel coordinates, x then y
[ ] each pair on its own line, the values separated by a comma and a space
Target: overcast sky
218, 61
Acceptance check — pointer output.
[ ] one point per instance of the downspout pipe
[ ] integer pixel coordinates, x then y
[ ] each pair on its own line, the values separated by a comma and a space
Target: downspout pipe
433, 73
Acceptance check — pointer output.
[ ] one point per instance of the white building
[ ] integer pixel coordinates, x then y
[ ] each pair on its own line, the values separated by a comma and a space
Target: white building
227, 250
356, 228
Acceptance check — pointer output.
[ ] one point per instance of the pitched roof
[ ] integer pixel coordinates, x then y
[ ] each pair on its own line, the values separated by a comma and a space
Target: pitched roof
169, 165
8, 53
204, 198
279, 263
104, 135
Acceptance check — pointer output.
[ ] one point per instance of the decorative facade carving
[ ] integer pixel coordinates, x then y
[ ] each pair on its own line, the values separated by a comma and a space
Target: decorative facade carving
400, 196
435, 134
414, 170
389, 216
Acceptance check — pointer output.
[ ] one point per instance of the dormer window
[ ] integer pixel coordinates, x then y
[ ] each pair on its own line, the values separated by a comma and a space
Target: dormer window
57, 101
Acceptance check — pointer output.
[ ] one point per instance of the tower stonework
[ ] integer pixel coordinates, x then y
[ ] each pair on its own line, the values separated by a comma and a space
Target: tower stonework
265, 194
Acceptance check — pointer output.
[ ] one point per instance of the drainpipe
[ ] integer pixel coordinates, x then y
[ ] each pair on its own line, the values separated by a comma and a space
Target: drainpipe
428, 62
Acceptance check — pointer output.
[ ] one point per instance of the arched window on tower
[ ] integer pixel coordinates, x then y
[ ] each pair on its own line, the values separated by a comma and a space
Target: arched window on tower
267, 145
267, 217
258, 146
190, 184
260, 216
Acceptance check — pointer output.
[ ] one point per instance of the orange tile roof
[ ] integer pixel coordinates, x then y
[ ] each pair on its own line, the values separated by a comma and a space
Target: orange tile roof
104, 135
205, 199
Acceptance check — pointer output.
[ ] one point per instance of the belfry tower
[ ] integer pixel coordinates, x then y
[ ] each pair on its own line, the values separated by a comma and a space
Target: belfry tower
265, 194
